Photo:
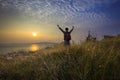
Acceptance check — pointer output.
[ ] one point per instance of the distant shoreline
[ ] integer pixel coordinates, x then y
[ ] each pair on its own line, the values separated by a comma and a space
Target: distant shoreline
33, 43
18, 47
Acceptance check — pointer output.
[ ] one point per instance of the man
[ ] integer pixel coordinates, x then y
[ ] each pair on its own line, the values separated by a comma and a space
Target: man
67, 35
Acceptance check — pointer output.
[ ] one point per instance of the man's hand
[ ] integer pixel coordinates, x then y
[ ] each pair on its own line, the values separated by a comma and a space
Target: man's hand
58, 26
73, 27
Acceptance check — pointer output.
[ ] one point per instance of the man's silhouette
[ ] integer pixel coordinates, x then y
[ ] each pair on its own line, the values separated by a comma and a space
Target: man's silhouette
67, 35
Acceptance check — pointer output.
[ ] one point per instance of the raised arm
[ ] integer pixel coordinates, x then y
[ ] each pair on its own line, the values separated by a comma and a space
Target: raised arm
60, 28
72, 29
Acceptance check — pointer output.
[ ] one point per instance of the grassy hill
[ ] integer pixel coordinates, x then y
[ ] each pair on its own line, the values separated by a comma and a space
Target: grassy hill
98, 60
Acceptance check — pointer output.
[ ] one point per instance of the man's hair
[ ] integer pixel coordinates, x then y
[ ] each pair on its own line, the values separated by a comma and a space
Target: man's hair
66, 29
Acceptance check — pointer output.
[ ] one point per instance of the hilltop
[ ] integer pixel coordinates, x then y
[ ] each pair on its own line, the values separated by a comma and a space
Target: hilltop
92, 60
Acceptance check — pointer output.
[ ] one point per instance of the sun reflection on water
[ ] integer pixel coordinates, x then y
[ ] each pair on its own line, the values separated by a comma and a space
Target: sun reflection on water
34, 47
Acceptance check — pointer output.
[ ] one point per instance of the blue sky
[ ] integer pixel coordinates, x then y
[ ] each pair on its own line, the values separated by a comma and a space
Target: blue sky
102, 17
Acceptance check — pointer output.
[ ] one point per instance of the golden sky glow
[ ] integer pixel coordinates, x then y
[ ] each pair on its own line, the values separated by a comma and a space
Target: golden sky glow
23, 32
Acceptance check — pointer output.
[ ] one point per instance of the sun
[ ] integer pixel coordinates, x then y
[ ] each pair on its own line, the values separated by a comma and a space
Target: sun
34, 34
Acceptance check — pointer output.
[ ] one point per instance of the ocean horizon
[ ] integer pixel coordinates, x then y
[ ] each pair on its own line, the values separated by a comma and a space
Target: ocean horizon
16, 47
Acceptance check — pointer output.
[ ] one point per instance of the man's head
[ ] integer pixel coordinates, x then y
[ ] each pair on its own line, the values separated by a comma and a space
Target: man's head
66, 29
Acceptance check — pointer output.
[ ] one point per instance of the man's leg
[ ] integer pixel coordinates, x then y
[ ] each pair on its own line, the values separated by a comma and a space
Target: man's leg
66, 43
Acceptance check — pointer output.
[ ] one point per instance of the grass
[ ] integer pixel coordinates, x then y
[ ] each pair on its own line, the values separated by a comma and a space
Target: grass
86, 61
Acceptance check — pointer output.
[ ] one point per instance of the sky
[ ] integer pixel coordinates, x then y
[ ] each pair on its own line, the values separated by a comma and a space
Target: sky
20, 18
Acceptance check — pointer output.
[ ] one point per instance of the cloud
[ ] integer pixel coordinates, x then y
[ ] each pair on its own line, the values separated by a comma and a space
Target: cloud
85, 14
79, 12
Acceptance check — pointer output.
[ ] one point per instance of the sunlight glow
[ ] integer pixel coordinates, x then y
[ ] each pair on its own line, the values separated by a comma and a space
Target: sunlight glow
34, 47
34, 34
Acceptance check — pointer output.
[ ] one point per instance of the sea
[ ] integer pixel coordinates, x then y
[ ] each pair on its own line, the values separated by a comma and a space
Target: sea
16, 47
